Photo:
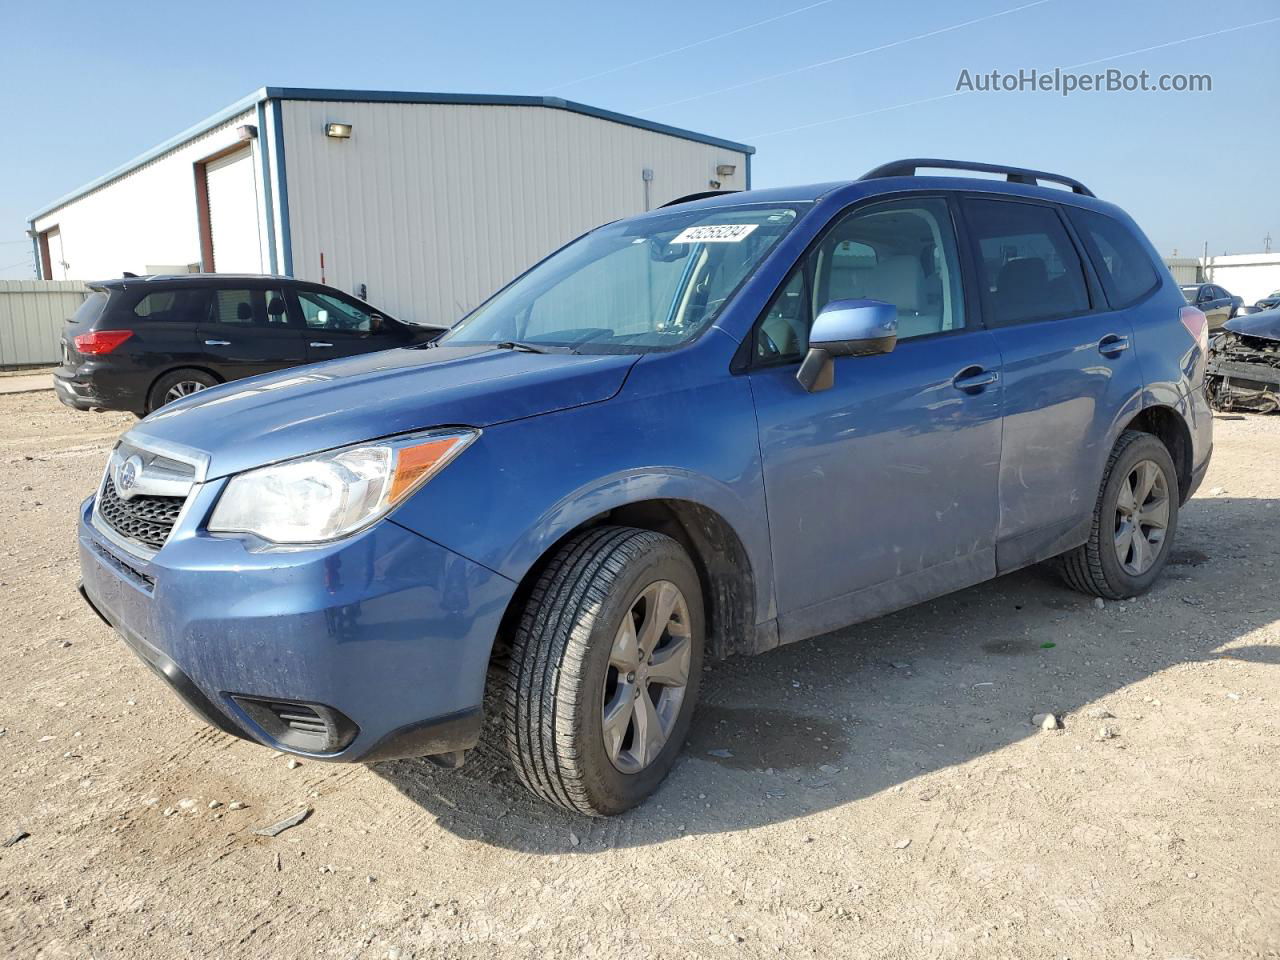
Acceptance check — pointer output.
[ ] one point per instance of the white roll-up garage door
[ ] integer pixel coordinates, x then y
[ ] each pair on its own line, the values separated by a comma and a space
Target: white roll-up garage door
233, 213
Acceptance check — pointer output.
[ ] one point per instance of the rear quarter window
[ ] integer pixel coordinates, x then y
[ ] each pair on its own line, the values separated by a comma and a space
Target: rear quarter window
169, 305
1119, 257
91, 309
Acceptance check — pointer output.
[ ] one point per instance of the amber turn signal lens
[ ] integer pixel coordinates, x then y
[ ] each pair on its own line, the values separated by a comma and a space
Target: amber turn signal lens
414, 465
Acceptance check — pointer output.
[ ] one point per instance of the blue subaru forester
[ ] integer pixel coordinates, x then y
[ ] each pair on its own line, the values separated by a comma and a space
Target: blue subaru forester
728, 424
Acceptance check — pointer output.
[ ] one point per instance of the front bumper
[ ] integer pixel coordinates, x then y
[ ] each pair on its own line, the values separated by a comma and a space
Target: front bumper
386, 629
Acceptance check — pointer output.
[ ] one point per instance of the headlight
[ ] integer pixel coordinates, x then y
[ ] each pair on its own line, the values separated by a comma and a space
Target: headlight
332, 495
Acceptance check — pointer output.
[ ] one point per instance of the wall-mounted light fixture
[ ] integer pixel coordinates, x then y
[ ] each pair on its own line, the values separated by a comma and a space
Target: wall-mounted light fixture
247, 132
725, 169
339, 131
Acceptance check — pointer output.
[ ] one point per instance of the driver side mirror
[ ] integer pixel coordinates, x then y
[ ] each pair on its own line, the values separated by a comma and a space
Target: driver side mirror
376, 321
846, 328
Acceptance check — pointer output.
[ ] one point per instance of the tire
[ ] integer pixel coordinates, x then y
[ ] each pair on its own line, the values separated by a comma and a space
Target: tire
175, 380
1096, 567
563, 671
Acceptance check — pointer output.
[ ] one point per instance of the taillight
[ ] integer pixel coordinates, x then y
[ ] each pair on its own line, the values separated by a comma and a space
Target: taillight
1197, 325
101, 341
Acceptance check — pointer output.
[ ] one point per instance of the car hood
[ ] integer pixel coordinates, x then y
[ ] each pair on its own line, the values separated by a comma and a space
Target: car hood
1264, 324
304, 410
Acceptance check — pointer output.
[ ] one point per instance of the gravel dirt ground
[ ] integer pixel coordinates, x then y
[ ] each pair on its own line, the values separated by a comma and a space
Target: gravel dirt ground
879, 792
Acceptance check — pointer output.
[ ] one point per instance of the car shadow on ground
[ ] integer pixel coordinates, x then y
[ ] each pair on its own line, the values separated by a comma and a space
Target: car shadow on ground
869, 708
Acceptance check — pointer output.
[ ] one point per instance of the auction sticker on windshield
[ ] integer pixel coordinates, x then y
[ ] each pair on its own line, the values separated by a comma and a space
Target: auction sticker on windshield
715, 233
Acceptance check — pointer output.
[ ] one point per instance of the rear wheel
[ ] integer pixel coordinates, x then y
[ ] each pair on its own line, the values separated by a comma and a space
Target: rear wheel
178, 384
1134, 522
604, 670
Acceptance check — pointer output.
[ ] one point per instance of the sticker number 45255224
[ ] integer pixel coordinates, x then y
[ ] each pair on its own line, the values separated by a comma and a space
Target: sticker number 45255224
715, 233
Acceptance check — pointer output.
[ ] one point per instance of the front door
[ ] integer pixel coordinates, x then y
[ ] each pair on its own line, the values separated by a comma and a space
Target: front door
881, 490
337, 327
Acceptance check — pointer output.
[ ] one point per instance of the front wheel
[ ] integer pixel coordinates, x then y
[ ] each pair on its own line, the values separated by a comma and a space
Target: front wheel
1134, 522
604, 670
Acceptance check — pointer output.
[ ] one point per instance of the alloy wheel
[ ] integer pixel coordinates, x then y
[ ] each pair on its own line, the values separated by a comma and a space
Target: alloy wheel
647, 677
183, 388
1142, 517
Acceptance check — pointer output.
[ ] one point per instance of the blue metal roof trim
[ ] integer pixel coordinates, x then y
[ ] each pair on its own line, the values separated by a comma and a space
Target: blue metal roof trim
383, 96
500, 100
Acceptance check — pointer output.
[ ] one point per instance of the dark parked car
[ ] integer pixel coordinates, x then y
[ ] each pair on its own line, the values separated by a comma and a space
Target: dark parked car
1213, 301
138, 343
714, 428
1270, 301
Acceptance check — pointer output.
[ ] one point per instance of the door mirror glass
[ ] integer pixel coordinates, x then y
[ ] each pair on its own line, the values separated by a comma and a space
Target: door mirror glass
846, 328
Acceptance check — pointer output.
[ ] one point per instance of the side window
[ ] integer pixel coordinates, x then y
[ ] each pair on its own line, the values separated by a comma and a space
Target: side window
170, 305
902, 252
1120, 258
323, 312
1028, 267
249, 308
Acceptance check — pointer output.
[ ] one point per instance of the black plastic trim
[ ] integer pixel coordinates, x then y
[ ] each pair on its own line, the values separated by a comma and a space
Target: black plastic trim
442, 735
1023, 175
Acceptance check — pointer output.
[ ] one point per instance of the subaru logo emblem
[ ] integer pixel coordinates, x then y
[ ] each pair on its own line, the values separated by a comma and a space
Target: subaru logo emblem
127, 476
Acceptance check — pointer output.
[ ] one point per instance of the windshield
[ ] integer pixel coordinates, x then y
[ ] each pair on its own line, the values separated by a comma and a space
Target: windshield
633, 286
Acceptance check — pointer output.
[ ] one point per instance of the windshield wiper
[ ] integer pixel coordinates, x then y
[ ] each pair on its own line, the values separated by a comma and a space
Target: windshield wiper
519, 345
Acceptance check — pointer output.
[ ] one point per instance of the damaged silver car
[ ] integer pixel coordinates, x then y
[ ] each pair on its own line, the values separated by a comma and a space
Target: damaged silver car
1244, 364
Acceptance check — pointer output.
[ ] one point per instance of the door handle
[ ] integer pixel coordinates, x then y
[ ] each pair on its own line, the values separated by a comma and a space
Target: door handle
217, 343
974, 379
320, 343
1112, 345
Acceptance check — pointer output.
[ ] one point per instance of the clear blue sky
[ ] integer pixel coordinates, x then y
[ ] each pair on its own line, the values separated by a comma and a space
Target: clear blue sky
87, 86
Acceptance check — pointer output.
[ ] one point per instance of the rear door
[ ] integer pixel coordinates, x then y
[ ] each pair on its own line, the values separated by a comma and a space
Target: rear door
1070, 372
248, 331
1219, 307
337, 326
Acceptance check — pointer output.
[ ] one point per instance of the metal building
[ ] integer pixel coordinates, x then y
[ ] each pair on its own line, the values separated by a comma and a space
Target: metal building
423, 203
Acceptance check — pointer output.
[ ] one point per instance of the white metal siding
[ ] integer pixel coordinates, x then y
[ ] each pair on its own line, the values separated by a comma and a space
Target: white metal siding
148, 215
436, 206
233, 213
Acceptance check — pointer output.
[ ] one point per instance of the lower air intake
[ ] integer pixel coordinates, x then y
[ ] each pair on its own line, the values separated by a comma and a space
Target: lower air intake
305, 727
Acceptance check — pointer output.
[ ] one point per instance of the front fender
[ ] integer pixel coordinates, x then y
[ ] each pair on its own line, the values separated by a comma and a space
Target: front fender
673, 432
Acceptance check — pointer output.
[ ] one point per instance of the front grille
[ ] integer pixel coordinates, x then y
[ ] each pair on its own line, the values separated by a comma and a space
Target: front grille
147, 520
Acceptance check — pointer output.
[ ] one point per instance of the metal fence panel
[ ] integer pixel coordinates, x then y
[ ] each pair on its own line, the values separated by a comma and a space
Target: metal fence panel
31, 317
1185, 270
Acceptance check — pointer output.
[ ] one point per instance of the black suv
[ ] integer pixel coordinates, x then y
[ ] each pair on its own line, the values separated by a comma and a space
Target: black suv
138, 343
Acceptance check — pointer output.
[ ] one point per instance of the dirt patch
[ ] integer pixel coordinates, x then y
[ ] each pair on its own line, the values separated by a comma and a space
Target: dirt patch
878, 792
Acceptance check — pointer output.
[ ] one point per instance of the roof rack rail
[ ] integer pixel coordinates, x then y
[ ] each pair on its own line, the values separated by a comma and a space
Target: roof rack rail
907, 168
690, 197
